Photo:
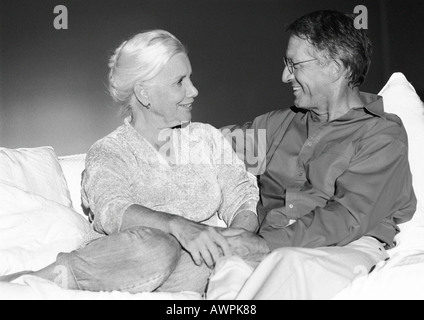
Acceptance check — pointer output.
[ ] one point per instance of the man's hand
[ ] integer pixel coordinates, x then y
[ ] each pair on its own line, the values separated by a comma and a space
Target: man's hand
247, 245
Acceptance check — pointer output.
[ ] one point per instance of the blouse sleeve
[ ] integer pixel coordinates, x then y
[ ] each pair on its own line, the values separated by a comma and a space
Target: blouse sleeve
239, 188
106, 185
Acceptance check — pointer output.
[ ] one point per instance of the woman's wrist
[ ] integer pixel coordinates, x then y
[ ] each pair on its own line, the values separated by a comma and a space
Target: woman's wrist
247, 220
140, 216
172, 224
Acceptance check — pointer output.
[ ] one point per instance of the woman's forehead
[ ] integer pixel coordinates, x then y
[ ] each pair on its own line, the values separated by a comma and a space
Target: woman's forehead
178, 66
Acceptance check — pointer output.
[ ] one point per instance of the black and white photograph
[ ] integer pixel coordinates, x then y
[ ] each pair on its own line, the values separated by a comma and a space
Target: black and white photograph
212, 154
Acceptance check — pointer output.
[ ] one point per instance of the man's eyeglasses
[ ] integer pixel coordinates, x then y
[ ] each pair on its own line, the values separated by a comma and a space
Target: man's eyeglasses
291, 66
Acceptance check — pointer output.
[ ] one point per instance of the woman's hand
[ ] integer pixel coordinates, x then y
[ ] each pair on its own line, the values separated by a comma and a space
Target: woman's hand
204, 243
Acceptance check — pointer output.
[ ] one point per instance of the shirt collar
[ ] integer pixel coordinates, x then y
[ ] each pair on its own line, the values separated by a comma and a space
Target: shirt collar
373, 104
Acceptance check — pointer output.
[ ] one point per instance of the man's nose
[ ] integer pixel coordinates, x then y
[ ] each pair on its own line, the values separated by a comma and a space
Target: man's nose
287, 75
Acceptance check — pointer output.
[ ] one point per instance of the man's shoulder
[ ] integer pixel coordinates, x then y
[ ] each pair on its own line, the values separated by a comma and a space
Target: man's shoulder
393, 120
391, 124
281, 112
276, 118
382, 122
385, 129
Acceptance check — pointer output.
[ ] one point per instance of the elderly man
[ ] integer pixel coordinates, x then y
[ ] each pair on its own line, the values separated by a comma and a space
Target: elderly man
336, 181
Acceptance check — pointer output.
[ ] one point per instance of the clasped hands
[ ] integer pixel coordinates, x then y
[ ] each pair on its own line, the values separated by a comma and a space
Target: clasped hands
208, 244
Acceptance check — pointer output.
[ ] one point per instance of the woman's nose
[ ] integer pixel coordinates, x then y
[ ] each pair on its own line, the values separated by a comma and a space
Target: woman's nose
192, 91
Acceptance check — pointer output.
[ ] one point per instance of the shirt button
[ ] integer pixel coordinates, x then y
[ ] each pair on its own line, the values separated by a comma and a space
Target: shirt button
291, 206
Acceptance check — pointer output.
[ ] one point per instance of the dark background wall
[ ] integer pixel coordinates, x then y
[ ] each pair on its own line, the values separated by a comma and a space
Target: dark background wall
53, 82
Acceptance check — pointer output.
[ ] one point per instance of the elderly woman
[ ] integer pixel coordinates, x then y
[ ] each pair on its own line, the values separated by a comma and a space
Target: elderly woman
157, 187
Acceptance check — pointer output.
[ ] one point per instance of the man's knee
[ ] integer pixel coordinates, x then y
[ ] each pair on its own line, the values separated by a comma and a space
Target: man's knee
291, 256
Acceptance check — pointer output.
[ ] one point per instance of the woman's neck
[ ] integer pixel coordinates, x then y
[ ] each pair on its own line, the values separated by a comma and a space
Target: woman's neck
149, 130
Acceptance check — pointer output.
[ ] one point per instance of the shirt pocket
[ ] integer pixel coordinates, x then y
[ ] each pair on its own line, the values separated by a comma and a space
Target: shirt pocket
326, 166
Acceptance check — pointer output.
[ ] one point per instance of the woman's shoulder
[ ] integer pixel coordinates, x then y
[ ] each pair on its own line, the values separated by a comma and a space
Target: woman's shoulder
211, 136
204, 128
206, 132
111, 144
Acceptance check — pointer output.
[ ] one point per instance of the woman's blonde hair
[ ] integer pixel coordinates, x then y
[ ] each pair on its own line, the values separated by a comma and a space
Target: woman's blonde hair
139, 59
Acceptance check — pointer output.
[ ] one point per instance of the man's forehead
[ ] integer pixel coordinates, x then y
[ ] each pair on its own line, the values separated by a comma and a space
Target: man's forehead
298, 47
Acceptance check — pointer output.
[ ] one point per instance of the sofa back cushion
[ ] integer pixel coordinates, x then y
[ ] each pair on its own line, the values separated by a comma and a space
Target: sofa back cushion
36, 171
400, 98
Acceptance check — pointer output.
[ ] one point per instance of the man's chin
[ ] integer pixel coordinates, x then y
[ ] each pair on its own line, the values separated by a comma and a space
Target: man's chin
302, 105
298, 105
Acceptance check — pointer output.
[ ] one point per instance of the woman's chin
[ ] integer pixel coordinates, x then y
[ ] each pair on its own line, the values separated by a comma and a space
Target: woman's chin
181, 122
186, 119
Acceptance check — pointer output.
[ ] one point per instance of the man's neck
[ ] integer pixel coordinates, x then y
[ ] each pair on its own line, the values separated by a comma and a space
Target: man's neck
339, 104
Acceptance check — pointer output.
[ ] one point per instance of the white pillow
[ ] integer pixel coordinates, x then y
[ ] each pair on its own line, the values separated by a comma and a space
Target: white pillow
72, 167
33, 230
400, 98
36, 171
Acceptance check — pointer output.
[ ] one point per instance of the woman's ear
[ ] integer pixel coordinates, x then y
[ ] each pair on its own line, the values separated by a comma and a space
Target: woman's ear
141, 94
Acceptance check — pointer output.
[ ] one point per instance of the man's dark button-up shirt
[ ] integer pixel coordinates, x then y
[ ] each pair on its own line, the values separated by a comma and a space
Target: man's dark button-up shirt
328, 184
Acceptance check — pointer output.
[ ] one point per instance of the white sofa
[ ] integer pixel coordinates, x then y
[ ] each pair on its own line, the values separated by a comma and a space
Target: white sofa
41, 216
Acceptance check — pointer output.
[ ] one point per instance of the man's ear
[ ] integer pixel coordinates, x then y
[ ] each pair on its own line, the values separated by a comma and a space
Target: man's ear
338, 70
141, 94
